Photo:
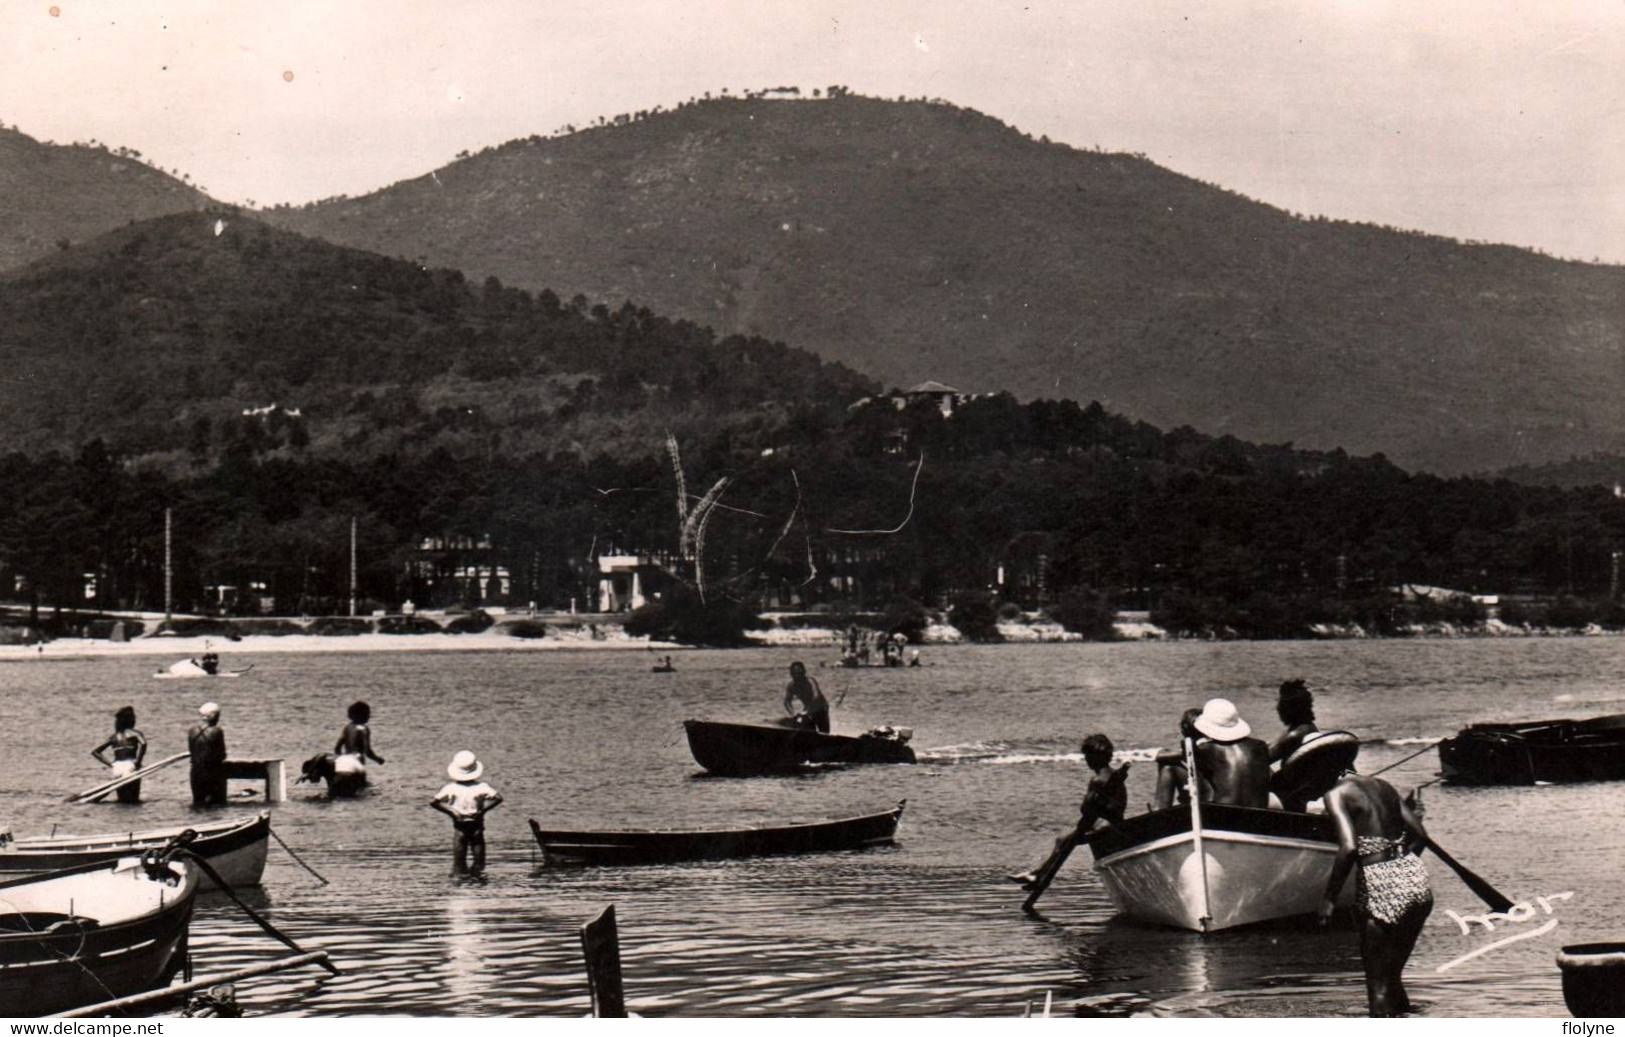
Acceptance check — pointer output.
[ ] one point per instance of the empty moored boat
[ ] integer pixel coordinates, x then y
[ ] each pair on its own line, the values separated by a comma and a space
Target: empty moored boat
745, 749
235, 848
82, 936
1218, 867
652, 846
1536, 751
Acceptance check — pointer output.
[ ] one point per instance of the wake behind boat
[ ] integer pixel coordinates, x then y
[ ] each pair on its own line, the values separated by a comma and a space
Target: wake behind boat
81, 936
1536, 751
740, 750
1254, 865
646, 846
235, 848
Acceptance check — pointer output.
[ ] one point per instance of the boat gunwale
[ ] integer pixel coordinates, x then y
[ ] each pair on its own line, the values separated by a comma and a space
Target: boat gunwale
1218, 835
896, 813
211, 831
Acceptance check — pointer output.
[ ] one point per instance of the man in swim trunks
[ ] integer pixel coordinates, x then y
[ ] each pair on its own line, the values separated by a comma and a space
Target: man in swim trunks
814, 712
1377, 831
207, 744
1235, 765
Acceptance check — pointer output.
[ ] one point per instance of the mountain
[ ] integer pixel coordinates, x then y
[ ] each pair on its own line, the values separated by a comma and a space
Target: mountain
916, 240
190, 336
56, 194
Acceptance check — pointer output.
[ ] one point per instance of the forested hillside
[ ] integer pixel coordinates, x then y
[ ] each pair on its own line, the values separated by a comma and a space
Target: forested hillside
185, 337
918, 240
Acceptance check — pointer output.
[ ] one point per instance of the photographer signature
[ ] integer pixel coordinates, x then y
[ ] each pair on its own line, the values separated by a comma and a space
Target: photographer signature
1518, 913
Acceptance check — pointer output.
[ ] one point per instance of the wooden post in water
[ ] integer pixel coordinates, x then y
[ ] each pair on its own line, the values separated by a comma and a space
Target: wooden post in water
601, 944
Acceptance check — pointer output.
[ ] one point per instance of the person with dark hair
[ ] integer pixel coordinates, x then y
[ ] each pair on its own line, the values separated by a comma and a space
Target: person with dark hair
1377, 832
129, 750
814, 711
1173, 780
1296, 708
356, 739
1104, 801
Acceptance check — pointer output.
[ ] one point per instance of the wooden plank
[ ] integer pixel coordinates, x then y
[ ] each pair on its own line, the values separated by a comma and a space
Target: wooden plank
601, 944
101, 791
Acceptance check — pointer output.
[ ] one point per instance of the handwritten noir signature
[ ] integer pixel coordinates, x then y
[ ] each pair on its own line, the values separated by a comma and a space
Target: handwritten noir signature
1518, 913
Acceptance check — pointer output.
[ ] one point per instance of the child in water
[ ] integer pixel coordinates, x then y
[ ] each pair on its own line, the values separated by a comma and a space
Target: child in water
466, 800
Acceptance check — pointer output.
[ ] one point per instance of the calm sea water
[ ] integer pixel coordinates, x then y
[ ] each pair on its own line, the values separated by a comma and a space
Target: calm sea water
927, 927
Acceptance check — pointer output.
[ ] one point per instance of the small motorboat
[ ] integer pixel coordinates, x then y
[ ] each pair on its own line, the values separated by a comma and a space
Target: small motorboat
235, 848
1536, 751
654, 846
1208, 867
88, 934
188, 669
741, 750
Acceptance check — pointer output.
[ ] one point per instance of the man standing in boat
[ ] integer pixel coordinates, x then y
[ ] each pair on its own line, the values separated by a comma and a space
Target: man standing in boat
814, 711
1377, 831
207, 744
1234, 765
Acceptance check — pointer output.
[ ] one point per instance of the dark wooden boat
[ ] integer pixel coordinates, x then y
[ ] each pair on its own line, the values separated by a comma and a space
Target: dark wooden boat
651, 846
235, 847
1537, 751
745, 749
82, 936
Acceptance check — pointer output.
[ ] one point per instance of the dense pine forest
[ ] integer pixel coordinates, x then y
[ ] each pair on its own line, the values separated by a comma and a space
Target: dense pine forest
881, 508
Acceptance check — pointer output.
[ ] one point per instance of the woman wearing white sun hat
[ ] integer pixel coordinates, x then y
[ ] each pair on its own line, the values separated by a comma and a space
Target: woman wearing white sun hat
466, 800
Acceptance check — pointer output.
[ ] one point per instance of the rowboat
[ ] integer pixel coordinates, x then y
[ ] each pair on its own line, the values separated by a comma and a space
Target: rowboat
77, 937
1536, 751
656, 846
1208, 867
235, 847
744, 749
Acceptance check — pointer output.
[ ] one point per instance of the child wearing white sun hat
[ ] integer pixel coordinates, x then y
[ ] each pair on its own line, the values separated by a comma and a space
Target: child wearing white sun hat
466, 800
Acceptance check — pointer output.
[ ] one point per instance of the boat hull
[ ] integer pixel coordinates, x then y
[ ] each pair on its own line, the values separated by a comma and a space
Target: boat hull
138, 941
741, 750
1260, 865
560, 848
235, 848
1556, 751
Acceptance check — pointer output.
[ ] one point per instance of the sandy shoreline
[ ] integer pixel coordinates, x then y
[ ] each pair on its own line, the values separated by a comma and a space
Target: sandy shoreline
176, 648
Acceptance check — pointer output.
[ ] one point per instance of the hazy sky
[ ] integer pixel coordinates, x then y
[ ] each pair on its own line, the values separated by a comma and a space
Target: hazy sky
1489, 120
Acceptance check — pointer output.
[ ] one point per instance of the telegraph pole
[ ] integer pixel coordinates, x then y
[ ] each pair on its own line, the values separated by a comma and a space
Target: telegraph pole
352, 565
169, 569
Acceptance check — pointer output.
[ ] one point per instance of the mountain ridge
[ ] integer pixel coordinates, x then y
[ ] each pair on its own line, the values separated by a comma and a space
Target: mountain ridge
918, 240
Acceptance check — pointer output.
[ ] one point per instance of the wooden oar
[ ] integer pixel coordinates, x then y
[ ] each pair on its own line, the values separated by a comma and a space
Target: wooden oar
1052, 867
1493, 898
271, 930
101, 791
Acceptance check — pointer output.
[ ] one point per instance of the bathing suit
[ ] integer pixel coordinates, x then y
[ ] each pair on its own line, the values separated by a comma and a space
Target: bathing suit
1393, 883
